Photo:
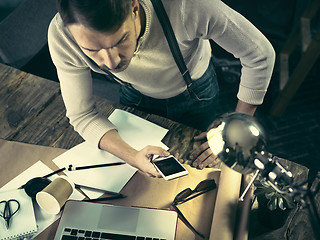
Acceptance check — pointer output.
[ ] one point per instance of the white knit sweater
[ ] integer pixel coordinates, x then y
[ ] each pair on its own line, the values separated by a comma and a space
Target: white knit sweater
152, 70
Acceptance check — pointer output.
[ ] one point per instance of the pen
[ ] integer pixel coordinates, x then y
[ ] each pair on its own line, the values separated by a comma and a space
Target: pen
97, 189
71, 168
105, 198
95, 166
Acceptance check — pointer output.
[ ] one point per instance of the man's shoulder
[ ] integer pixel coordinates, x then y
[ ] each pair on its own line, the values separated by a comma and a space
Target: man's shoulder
189, 7
62, 46
193, 3
58, 31
56, 24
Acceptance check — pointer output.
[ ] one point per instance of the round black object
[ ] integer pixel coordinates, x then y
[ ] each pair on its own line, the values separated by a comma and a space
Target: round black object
35, 185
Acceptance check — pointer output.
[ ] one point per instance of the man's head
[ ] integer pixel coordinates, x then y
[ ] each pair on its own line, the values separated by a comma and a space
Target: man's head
100, 15
105, 30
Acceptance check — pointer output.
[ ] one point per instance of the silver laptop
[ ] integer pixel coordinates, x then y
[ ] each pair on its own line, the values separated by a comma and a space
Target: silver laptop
86, 220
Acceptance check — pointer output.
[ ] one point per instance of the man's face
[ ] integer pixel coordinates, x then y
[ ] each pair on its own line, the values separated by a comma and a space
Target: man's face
111, 51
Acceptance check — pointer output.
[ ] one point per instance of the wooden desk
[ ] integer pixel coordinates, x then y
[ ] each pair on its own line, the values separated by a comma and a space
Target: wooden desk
32, 111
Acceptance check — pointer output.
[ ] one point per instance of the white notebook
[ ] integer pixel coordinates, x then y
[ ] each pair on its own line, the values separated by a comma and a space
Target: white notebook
23, 222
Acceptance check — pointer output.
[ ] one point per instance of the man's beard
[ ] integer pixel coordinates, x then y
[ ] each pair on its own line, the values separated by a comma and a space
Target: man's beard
121, 67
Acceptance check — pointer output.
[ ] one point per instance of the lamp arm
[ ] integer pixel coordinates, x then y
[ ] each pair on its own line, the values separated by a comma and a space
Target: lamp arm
249, 186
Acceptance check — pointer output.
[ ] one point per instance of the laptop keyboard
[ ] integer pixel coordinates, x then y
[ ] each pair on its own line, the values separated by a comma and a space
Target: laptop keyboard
77, 234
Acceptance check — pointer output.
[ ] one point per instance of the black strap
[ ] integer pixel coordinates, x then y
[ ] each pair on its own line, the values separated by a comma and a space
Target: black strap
172, 41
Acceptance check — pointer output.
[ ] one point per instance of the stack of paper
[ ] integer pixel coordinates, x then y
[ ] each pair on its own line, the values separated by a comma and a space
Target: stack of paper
23, 222
39, 169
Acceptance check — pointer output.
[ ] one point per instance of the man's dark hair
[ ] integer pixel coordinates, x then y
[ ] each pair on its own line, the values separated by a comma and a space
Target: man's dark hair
99, 15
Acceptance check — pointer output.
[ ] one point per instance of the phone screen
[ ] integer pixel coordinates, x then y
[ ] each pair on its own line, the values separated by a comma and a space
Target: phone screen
169, 166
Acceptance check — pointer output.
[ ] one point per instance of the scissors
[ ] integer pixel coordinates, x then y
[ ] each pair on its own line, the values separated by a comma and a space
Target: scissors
7, 213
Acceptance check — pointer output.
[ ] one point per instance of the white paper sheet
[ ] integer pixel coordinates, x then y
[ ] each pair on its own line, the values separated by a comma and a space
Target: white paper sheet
39, 169
111, 178
136, 131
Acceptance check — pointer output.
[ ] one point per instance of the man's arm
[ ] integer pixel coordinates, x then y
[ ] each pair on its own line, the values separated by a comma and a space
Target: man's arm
234, 33
246, 108
113, 143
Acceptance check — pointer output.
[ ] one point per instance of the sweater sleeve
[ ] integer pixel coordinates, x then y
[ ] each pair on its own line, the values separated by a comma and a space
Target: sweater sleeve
76, 85
212, 19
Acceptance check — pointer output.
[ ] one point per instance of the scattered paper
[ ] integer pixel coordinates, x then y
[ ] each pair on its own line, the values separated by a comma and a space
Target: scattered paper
136, 131
111, 178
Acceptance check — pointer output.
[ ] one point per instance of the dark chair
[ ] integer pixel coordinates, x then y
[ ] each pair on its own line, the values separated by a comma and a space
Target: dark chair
24, 31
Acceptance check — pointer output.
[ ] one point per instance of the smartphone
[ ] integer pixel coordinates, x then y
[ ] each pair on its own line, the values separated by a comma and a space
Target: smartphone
169, 167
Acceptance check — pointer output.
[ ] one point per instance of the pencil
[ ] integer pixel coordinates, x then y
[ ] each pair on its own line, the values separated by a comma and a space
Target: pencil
57, 171
96, 189
71, 168
105, 198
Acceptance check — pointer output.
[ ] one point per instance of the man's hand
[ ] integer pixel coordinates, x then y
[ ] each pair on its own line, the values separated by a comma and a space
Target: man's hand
144, 157
114, 144
202, 156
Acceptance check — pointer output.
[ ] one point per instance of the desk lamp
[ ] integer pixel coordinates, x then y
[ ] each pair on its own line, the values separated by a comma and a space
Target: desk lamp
240, 143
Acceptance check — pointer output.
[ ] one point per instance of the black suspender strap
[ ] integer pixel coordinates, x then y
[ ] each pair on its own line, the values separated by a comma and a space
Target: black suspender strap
171, 39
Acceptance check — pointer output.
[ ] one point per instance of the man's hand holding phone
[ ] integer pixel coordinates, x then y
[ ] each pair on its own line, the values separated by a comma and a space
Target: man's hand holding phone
169, 167
157, 162
143, 160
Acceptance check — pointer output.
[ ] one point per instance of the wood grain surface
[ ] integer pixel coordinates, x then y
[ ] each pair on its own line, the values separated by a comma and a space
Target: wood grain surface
32, 111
